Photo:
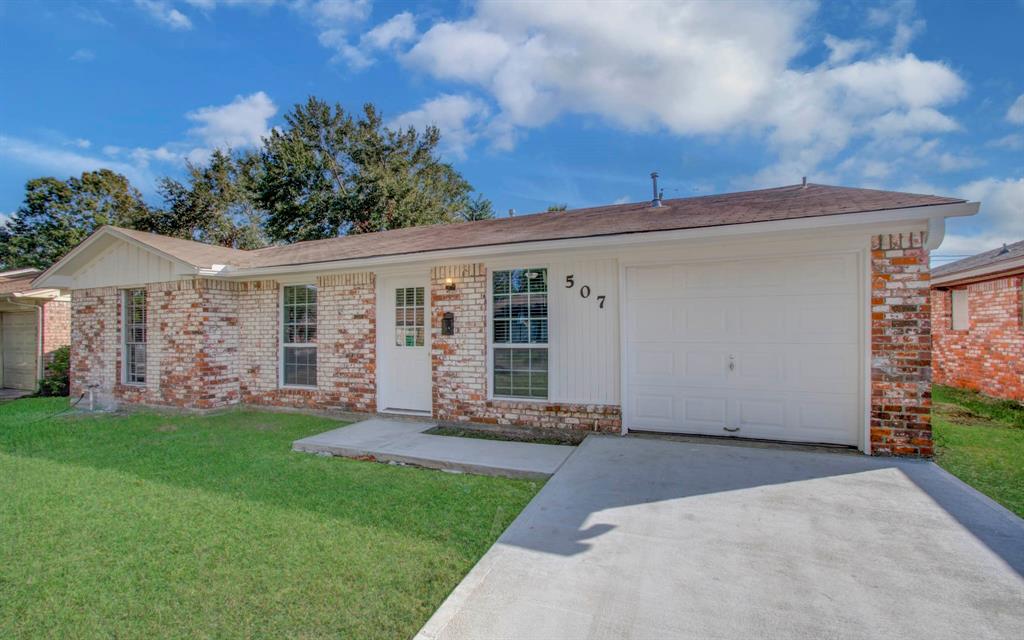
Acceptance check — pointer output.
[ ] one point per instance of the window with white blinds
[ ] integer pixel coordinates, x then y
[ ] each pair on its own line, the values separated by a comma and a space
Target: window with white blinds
519, 340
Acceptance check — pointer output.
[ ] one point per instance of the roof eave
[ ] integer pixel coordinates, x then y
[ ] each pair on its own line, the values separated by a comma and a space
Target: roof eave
989, 271
934, 215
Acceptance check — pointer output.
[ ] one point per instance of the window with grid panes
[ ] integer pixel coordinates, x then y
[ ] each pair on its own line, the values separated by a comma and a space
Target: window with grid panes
135, 336
298, 342
519, 340
409, 316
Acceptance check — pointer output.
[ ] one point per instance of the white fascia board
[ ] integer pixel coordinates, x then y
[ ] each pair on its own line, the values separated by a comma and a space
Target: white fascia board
887, 217
993, 269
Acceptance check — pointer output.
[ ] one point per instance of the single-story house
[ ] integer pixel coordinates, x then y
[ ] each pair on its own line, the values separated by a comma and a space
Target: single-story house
798, 313
978, 322
34, 322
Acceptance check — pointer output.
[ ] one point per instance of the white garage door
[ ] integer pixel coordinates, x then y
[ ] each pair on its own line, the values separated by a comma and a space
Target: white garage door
18, 331
759, 348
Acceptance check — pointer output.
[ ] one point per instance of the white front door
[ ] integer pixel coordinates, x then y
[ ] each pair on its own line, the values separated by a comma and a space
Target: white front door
759, 348
404, 323
19, 350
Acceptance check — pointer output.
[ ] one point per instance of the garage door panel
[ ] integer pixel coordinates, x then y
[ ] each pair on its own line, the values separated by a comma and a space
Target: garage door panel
19, 349
789, 328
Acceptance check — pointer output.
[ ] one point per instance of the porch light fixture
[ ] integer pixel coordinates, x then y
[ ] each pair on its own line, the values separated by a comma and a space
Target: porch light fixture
449, 284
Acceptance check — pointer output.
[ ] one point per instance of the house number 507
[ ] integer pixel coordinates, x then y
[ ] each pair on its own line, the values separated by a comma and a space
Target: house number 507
570, 282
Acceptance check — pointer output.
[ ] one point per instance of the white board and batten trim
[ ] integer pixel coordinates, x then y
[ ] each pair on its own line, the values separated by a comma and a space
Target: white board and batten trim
125, 265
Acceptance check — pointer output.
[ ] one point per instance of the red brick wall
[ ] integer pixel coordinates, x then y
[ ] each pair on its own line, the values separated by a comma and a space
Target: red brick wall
989, 356
460, 366
56, 327
900, 346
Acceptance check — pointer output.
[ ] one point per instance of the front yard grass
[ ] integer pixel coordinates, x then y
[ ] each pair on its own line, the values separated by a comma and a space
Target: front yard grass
152, 525
981, 441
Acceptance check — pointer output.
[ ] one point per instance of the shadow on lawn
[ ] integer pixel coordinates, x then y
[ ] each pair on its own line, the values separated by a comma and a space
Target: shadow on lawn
248, 455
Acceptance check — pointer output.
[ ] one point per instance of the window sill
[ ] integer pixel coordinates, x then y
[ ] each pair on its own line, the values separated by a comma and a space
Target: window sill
297, 387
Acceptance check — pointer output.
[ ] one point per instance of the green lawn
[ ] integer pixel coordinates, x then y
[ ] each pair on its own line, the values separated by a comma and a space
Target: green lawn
164, 526
981, 441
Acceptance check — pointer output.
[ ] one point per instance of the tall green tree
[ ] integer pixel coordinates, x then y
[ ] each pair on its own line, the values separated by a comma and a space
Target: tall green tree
216, 204
327, 173
58, 214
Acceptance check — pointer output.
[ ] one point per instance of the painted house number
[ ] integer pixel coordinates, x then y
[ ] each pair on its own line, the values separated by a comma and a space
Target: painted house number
570, 282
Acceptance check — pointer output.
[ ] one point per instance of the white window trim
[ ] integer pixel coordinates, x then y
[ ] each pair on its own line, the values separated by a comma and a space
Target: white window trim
124, 337
280, 335
489, 314
954, 316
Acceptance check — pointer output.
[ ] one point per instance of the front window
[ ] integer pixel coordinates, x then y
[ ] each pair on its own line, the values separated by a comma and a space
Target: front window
520, 333
135, 336
299, 339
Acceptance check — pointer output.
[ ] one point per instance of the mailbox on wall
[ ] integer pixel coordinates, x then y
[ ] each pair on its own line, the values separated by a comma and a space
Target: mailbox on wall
448, 324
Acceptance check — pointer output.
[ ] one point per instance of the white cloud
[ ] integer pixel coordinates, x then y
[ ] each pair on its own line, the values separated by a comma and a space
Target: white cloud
844, 50
83, 55
460, 119
1001, 218
399, 29
900, 17
1015, 113
163, 12
241, 123
1013, 141
63, 162
691, 69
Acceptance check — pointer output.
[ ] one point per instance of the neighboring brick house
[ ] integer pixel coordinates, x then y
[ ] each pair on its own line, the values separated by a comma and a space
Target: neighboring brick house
799, 313
978, 322
34, 323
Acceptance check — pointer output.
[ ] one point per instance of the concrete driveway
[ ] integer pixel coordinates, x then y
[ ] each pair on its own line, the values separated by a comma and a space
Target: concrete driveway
645, 538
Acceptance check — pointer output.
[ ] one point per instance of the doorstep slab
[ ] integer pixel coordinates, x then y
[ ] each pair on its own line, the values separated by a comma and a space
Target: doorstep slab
404, 441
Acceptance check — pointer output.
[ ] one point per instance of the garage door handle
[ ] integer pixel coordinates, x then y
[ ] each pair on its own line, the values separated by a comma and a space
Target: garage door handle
733, 430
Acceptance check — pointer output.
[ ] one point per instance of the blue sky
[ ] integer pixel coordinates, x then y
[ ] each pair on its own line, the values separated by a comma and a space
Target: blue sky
542, 103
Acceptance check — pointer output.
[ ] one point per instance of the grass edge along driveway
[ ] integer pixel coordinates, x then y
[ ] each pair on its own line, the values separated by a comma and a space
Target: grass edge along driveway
152, 525
981, 441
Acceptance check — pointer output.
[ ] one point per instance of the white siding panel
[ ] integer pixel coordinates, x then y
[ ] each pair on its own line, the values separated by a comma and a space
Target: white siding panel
125, 265
584, 339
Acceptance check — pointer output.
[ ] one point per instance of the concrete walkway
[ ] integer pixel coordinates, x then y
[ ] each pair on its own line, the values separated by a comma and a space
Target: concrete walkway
404, 441
642, 538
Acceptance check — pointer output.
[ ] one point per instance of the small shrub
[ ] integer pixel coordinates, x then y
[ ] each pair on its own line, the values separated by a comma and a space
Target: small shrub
56, 381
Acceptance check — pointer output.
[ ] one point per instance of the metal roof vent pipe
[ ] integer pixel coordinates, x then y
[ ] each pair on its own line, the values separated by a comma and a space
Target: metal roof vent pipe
656, 201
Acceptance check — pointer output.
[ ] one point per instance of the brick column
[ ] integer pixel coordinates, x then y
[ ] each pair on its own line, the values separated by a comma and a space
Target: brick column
459, 361
347, 337
900, 346
94, 344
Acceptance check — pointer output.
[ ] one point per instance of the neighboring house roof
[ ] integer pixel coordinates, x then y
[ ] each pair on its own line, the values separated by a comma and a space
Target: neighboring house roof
765, 205
995, 263
18, 284
17, 280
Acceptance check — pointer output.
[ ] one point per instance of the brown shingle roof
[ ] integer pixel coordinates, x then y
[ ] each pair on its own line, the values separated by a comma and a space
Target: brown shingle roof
986, 259
782, 203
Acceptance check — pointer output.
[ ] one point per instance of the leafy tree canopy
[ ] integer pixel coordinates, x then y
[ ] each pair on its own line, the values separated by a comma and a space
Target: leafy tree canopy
215, 205
327, 173
58, 214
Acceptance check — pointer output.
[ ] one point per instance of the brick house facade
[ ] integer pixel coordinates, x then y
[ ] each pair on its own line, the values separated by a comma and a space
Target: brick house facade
983, 350
217, 339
